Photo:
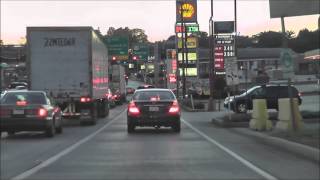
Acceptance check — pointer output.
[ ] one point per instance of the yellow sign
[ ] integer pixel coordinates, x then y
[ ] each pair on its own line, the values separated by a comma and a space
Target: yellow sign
191, 42
189, 71
191, 56
187, 10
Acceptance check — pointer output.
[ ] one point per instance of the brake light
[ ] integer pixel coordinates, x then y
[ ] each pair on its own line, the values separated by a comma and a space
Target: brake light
21, 103
299, 94
42, 112
174, 109
109, 95
133, 109
4, 112
85, 99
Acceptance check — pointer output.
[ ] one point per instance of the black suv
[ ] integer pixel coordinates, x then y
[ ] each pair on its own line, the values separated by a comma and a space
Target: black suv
241, 103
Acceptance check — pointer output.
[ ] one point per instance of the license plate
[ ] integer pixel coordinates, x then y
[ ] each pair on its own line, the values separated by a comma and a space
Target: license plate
153, 108
18, 112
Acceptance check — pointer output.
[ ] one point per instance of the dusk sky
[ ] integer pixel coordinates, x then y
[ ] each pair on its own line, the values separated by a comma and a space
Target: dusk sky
156, 17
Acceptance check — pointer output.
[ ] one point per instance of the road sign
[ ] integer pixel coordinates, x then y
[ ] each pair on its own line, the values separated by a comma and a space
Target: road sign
141, 51
286, 60
118, 47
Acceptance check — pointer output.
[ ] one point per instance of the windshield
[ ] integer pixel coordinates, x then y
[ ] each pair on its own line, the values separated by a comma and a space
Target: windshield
150, 95
11, 98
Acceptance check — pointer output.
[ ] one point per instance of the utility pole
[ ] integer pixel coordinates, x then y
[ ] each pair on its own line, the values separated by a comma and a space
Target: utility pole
211, 60
183, 52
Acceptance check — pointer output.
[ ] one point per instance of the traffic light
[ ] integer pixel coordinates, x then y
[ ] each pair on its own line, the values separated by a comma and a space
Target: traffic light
134, 58
114, 58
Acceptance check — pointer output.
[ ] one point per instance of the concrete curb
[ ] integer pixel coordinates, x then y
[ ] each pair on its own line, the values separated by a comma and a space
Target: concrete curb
308, 152
228, 124
191, 110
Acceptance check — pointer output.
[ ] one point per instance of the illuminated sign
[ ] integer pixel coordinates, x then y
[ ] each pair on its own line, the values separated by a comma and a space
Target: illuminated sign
191, 56
174, 65
219, 58
189, 71
142, 67
191, 28
172, 78
191, 42
131, 66
186, 10
150, 66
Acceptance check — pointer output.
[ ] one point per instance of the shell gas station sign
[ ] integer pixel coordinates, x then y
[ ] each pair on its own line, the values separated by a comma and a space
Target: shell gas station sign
186, 10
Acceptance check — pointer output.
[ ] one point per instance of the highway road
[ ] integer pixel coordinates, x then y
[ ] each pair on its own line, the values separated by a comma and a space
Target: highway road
107, 151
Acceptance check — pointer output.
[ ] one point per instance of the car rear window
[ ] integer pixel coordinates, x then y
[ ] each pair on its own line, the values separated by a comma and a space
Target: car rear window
156, 95
29, 97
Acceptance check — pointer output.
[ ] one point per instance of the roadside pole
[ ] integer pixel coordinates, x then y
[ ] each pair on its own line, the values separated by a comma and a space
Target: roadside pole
285, 46
211, 59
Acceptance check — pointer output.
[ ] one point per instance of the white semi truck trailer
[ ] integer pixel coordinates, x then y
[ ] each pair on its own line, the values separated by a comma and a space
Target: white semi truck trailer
71, 65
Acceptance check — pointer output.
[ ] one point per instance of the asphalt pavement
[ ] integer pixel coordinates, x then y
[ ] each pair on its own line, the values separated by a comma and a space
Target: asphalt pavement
107, 151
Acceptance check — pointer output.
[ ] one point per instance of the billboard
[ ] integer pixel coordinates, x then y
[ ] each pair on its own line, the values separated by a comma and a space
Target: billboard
287, 8
186, 10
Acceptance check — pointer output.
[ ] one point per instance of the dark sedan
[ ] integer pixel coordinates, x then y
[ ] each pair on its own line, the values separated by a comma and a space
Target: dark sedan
29, 111
153, 108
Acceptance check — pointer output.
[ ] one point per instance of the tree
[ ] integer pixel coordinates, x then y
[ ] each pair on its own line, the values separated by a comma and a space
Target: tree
244, 42
135, 35
305, 41
268, 39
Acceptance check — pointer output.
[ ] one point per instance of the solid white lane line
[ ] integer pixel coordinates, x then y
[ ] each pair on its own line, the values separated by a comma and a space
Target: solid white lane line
233, 154
63, 153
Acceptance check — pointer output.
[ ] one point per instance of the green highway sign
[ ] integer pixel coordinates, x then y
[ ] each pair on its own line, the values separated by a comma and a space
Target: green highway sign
141, 51
118, 47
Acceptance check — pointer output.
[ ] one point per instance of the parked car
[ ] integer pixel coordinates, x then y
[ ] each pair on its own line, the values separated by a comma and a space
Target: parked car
153, 108
29, 111
243, 102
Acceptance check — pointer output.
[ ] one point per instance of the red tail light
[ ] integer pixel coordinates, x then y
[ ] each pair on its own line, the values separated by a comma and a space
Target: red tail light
299, 94
85, 99
133, 110
21, 103
42, 112
174, 109
4, 112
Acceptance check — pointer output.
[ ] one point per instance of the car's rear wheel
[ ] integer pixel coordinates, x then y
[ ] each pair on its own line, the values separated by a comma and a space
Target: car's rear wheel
11, 133
242, 108
130, 128
59, 128
50, 131
176, 127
